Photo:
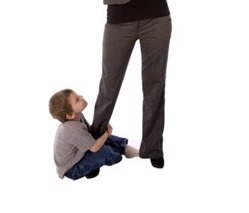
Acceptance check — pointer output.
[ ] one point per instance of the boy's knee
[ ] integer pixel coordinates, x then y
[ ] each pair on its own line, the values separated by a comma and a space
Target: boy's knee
109, 156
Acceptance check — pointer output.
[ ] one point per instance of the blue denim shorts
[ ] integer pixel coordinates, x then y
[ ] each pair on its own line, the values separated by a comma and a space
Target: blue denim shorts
109, 154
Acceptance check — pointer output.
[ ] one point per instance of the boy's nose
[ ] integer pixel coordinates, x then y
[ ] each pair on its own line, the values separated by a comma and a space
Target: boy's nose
82, 99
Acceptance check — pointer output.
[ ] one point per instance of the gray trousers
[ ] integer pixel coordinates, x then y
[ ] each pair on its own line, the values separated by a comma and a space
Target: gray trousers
118, 43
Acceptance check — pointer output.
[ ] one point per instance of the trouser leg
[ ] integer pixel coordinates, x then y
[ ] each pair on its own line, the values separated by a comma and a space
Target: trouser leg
92, 161
154, 40
118, 43
118, 144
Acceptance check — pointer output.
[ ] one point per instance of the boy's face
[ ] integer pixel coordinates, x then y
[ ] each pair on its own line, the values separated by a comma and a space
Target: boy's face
77, 102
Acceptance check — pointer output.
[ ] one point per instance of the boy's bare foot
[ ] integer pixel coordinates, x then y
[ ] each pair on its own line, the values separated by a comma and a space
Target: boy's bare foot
131, 152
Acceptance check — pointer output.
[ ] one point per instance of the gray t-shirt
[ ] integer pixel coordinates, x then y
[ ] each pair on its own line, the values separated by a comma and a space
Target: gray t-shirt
72, 140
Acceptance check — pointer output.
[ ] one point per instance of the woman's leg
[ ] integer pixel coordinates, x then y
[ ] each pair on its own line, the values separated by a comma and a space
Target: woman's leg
118, 43
154, 40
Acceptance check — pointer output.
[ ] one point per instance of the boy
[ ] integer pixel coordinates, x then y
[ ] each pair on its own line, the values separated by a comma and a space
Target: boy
76, 152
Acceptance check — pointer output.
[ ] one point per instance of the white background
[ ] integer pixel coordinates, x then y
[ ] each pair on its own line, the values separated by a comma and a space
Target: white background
46, 46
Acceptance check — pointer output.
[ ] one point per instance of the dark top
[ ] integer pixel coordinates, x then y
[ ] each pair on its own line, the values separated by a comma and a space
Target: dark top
137, 10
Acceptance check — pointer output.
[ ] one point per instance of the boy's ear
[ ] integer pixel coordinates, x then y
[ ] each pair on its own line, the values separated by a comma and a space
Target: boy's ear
70, 116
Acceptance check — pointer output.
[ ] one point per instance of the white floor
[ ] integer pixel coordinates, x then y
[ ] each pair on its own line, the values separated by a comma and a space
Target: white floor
49, 45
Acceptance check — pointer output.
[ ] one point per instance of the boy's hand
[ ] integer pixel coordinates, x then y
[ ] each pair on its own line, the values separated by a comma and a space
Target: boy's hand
109, 129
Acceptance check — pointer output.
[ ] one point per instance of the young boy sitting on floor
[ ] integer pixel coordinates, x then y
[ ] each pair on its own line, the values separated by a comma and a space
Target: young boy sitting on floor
76, 152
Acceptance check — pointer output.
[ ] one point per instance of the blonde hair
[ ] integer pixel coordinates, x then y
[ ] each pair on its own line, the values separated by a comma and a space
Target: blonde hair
59, 105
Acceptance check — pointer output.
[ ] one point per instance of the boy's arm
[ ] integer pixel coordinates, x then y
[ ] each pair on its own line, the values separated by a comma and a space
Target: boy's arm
101, 140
